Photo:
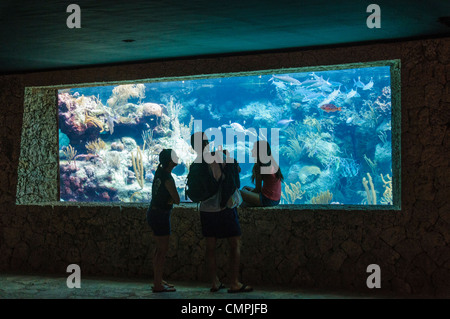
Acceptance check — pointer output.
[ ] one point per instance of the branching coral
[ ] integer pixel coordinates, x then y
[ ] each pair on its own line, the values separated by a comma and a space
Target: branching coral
70, 153
371, 164
312, 122
186, 130
147, 137
387, 195
383, 137
138, 166
311, 143
292, 193
96, 146
173, 109
114, 160
322, 198
93, 121
293, 150
371, 195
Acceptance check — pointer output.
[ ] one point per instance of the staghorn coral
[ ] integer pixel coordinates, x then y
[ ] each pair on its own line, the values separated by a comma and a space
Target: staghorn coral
292, 193
387, 195
371, 195
322, 198
96, 146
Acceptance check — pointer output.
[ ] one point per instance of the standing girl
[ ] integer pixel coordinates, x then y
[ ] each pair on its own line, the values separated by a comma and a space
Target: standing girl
164, 195
267, 177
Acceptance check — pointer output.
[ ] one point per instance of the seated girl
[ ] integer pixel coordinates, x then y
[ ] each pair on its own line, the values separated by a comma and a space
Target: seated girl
267, 177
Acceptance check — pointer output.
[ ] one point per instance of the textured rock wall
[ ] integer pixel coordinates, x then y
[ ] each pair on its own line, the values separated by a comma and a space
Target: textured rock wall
304, 248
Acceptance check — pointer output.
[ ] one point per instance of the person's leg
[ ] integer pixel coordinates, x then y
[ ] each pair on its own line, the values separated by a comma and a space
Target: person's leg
235, 258
162, 246
251, 198
211, 262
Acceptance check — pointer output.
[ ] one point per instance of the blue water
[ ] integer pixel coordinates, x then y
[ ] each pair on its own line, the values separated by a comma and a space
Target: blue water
327, 129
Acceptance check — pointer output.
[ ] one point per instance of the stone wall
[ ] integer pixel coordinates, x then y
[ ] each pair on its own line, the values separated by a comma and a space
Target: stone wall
303, 248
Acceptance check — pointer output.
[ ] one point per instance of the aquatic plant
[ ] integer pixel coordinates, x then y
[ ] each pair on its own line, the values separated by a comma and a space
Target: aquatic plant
371, 195
70, 153
387, 195
96, 146
292, 193
322, 198
138, 167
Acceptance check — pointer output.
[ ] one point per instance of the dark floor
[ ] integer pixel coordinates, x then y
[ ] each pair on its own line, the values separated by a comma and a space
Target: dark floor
19, 286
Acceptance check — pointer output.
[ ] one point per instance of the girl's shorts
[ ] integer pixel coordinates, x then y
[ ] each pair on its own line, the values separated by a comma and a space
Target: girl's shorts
223, 224
159, 221
266, 202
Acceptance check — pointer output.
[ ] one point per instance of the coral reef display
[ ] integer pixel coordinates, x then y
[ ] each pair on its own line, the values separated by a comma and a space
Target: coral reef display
332, 128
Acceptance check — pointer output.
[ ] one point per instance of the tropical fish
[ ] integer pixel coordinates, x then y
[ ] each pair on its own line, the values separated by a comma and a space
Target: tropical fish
286, 78
296, 105
369, 85
358, 84
351, 94
238, 128
330, 97
330, 108
285, 121
334, 94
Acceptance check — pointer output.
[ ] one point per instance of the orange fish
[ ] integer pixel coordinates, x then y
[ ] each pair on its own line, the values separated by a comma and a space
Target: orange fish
330, 108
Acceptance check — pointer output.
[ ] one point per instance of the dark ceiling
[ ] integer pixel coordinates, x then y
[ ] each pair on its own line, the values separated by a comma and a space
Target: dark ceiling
34, 35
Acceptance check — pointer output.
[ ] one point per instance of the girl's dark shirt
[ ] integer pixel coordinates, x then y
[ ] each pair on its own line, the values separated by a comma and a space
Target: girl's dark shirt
160, 194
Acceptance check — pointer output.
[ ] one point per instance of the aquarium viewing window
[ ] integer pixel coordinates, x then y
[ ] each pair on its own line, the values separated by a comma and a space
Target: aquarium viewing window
334, 131
330, 129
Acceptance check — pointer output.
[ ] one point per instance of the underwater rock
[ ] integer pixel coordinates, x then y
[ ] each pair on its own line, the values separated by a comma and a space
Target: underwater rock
115, 146
308, 174
303, 173
292, 175
149, 176
383, 153
129, 143
321, 184
150, 109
